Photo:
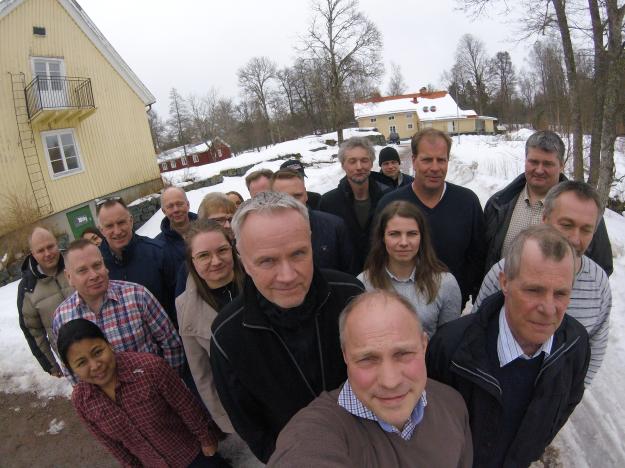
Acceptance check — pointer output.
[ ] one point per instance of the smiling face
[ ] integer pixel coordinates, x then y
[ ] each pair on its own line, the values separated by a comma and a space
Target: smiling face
537, 298
276, 252
430, 164
542, 170
175, 206
92, 360
45, 250
402, 238
86, 273
385, 357
212, 258
576, 219
390, 169
116, 226
357, 165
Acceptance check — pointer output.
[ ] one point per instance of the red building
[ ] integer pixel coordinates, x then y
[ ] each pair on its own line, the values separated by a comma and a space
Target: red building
196, 155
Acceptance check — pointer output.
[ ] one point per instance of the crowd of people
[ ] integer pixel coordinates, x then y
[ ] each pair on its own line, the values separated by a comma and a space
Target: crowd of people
327, 330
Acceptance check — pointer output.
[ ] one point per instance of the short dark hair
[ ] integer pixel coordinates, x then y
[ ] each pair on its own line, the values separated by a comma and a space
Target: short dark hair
108, 203
286, 174
237, 194
91, 230
73, 331
582, 190
429, 134
252, 176
548, 141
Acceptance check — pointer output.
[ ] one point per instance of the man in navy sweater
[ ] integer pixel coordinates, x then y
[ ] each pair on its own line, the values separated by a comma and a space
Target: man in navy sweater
519, 362
454, 213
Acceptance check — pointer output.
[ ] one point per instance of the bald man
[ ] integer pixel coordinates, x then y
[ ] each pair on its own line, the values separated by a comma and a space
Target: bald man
175, 207
42, 288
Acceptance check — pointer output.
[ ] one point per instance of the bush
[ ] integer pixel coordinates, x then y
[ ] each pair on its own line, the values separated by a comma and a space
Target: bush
18, 216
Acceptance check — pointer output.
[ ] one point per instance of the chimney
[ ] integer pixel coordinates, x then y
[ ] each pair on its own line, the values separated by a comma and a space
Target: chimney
423, 90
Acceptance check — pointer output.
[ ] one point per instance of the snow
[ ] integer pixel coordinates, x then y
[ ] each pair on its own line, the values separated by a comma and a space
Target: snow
593, 436
55, 426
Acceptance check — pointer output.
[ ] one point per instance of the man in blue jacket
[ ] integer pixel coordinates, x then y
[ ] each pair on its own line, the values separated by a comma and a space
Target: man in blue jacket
138, 259
175, 207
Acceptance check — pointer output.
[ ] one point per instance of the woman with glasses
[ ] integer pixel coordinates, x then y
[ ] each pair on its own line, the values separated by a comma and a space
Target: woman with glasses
402, 259
218, 207
135, 404
214, 279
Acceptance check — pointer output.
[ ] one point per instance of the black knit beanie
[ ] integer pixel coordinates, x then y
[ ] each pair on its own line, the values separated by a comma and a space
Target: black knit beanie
388, 154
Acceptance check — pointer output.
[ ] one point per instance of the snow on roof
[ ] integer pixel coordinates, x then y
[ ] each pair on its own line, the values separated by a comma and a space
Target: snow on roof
178, 152
440, 105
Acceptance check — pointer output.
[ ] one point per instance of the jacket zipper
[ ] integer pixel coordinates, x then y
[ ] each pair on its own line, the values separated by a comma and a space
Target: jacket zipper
481, 375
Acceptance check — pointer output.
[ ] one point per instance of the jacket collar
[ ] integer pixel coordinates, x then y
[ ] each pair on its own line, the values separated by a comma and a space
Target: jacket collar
31, 273
376, 188
253, 310
169, 232
127, 252
514, 188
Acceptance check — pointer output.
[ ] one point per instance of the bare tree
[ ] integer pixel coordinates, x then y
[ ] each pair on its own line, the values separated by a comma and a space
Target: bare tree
348, 46
179, 119
255, 80
504, 80
396, 85
473, 67
158, 130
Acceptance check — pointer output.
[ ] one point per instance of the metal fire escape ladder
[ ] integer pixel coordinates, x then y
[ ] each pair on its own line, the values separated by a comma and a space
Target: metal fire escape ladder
27, 143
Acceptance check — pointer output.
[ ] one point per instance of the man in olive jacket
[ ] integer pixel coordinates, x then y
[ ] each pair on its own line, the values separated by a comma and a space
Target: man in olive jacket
42, 288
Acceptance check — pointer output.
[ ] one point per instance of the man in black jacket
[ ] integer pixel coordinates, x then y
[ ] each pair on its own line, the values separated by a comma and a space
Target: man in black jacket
276, 347
519, 361
520, 203
390, 169
330, 242
356, 197
178, 218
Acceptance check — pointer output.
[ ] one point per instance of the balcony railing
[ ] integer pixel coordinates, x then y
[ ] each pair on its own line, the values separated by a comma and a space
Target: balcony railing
58, 92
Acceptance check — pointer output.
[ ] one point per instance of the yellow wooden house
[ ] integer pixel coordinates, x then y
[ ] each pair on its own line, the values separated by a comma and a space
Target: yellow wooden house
73, 122
406, 114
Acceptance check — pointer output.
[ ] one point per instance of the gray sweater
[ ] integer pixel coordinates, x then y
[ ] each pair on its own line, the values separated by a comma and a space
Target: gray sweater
591, 302
325, 435
444, 308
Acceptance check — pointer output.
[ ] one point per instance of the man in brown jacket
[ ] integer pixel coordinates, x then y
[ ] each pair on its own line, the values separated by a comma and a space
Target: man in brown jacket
387, 413
42, 288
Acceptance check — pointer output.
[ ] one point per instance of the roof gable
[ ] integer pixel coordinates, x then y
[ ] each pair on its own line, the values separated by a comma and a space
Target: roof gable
83, 21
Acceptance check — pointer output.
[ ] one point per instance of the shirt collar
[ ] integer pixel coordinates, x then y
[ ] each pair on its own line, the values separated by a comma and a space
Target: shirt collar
350, 402
410, 279
525, 195
110, 293
508, 349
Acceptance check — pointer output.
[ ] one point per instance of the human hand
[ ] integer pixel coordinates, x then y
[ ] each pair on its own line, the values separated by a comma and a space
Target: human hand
210, 449
56, 373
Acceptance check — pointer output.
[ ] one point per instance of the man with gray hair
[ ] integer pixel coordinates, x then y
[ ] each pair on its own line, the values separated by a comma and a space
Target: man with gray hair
276, 347
520, 204
519, 361
175, 206
357, 195
573, 208
388, 413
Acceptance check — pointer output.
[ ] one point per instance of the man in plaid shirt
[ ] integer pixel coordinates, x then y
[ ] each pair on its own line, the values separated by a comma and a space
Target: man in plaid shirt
128, 314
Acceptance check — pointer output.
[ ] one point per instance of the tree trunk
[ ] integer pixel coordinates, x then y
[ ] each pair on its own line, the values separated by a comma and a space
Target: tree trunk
599, 81
571, 73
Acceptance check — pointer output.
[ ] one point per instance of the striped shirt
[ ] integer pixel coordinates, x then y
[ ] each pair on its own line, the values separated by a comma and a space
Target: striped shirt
509, 349
590, 305
130, 318
524, 215
351, 403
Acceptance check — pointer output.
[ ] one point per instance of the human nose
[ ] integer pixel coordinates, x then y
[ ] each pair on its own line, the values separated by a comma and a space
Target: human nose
389, 375
286, 272
403, 240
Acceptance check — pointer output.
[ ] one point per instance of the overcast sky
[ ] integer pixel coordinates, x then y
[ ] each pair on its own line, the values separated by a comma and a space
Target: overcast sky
195, 44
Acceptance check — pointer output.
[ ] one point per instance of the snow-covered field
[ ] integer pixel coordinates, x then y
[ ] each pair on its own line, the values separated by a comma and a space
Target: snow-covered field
594, 436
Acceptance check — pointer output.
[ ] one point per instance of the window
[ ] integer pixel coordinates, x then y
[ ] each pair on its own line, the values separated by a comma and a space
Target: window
391, 117
432, 108
172, 164
426, 109
219, 152
62, 152
184, 160
392, 129
195, 158
409, 126
409, 115
372, 119
164, 166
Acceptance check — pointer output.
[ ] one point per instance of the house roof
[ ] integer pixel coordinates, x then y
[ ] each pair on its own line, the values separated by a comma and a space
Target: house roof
193, 148
443, 104
93, 33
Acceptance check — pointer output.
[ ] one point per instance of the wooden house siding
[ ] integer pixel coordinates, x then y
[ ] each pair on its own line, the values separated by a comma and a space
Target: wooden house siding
204, 157
115, 144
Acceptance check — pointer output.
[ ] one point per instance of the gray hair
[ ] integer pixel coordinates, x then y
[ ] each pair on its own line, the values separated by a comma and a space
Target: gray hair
369, 296
582, 190
265, 203
173, 187
552, 244
548, 141
356, 142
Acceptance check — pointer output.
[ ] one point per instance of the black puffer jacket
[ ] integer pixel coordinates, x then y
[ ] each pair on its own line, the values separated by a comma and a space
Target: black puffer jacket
331, 244
497, 215
340, 202
265, 373
457, 356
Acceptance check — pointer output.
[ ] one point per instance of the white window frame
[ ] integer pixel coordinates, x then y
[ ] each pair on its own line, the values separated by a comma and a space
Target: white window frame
47, 59
409, 126
67, 172
195, 158
392, 129
184, 161
372, 119
172, 164
164, 166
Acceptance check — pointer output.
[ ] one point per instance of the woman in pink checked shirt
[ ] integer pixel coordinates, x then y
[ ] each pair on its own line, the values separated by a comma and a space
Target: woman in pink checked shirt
135, 404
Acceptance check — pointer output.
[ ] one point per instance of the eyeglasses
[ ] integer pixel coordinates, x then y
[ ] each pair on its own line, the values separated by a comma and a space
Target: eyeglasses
222, 219
206, 257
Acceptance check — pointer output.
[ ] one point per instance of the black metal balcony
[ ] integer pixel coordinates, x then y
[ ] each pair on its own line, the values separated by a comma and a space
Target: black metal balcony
59, 97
